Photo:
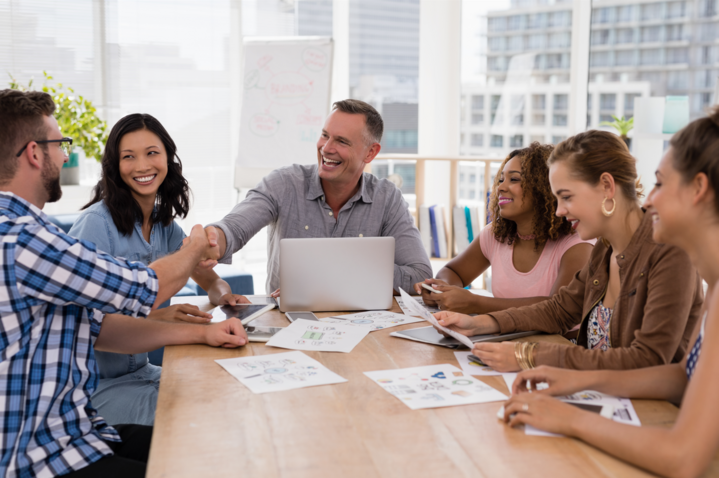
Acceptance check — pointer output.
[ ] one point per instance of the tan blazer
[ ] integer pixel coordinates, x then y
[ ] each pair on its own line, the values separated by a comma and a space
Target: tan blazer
659, 301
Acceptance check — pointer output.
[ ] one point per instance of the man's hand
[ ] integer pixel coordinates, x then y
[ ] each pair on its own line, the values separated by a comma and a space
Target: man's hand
205, 240
229, 334
181, 313
275, 294
233, 299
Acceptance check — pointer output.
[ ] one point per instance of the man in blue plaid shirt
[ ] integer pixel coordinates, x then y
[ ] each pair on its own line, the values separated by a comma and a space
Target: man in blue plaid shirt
59, 297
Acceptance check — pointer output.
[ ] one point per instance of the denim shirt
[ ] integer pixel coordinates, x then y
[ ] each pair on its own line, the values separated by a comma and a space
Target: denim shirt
95, 224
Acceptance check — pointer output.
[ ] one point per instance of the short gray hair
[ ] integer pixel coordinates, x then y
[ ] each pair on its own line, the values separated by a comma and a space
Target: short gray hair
373, 121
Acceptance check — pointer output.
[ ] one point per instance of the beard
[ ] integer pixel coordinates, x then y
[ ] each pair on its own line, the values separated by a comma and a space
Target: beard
51, 180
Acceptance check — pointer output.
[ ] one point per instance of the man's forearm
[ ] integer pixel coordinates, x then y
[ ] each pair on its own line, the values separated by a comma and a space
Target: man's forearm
173, 271
128, 335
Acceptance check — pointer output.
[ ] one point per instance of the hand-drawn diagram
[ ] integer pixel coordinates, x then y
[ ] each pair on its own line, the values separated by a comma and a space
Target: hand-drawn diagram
374, 320
276, 372
285, 99
312, 335
434, 386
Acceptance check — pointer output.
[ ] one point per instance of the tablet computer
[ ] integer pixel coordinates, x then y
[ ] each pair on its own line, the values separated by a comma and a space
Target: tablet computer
245, 312
429, 335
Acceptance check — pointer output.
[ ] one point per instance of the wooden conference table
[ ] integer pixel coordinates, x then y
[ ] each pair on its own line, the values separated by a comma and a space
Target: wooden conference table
209, 424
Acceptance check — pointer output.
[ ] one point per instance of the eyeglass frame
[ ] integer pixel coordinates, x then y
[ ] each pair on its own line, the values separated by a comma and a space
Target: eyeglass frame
44, 141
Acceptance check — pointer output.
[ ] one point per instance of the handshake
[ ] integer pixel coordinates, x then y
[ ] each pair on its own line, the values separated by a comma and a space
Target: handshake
204, 243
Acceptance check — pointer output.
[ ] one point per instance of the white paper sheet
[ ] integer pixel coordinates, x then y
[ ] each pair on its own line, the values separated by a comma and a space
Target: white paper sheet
434, 386
312, 335
418, 299
277, 372
373, 320
473, 368
420, 311
623, 409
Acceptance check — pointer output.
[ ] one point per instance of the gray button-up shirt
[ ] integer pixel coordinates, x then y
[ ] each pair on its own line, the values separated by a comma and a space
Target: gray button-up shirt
291, 201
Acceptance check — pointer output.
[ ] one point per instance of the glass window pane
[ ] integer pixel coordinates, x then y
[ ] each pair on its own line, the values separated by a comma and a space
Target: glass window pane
517, 54
655, 48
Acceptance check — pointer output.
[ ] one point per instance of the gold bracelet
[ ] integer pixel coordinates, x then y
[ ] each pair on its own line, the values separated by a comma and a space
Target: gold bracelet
525, 355
518, 353
530, 355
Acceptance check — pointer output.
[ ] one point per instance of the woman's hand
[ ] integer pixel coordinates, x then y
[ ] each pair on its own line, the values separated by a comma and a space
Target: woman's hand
181, 313
500, 356
454, 298
559, 381
428, 297
233, 299
467, 325
545, 413
229, 334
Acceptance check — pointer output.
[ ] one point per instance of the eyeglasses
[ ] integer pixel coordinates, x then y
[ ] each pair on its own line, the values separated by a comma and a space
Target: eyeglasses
65, 145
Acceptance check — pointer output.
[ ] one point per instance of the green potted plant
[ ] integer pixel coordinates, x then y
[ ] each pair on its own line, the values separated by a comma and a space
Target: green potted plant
78, 119
623, 127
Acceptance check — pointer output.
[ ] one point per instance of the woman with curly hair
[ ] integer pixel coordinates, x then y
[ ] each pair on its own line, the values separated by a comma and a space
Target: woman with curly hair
636, 300
131, 215
532, 251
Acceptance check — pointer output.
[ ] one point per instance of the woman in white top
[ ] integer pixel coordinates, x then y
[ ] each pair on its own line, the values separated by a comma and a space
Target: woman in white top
532, 251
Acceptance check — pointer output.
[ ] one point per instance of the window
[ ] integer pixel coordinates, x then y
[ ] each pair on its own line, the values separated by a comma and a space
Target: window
538, 119
477, 140
558, 139
539, 102
651, 57
516, 141
676, 9
561, 102
602, 15
677, 55
477, 102
472, 178
497, 141
624, 35
599, 58
629, 101
652, 11
675, 33
559, 120
515, 43
624, 58
678, 80
607, 101
600, 37
625, 13
536, 42
477, 118
517, 120
651, 34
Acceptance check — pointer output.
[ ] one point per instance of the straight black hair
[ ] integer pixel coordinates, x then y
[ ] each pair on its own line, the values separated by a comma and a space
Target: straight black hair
173, 196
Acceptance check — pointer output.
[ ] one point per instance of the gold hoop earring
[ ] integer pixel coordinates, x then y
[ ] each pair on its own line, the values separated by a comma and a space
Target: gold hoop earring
604, 209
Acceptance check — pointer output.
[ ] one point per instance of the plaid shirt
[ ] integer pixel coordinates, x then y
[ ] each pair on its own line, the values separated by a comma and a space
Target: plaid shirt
50, 286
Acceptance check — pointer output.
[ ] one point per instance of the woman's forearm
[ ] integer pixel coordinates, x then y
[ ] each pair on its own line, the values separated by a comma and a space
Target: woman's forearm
450, 277
663, 382
485, 305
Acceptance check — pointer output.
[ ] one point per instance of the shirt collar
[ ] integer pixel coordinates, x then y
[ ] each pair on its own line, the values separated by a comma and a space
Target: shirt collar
315, 189
21, 207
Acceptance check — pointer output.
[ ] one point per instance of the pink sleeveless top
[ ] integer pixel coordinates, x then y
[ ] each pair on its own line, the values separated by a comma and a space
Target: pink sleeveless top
508, 282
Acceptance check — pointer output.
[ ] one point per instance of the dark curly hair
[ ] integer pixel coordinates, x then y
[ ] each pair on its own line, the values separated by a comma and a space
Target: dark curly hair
173, 195
535, 184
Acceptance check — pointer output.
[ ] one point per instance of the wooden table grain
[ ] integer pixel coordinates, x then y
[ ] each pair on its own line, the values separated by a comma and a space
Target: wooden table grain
209, 424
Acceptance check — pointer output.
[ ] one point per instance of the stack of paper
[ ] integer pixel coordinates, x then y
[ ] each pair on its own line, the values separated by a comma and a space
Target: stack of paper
434, 386
284, 371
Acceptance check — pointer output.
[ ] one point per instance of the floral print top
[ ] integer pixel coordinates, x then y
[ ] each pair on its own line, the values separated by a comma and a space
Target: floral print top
598, 328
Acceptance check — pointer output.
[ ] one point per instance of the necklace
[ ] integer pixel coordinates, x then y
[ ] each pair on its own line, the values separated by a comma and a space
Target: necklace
528, 237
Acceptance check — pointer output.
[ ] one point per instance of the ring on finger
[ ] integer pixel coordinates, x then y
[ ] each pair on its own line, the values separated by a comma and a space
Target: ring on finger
525, 407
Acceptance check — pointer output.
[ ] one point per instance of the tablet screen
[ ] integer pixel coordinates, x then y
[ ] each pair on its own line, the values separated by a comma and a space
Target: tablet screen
241, 311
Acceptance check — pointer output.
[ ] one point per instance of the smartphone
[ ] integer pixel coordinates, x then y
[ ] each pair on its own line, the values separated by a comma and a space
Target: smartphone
292, 316
430, 288
261, 334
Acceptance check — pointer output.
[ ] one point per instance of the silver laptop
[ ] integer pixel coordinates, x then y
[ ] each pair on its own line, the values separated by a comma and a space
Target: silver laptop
336, 274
